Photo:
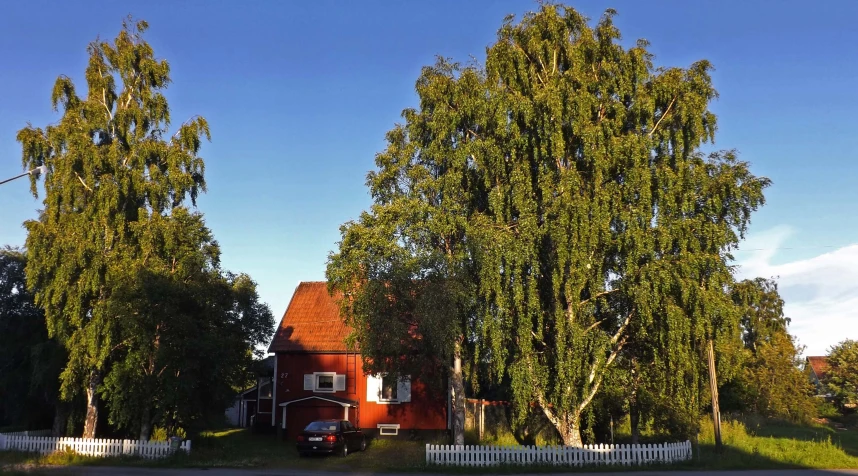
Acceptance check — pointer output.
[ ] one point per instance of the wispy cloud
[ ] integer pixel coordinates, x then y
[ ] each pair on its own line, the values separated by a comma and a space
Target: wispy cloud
820, 293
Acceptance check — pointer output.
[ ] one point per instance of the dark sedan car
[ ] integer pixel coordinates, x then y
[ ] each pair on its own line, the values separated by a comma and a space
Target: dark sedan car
332, 437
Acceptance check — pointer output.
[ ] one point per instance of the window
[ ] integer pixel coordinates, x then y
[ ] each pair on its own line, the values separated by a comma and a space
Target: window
321, 426
324, 383
388, 429
389, 389
386, 389
347, 426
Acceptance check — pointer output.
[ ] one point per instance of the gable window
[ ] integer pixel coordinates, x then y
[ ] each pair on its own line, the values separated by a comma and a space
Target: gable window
325, 382
389, 387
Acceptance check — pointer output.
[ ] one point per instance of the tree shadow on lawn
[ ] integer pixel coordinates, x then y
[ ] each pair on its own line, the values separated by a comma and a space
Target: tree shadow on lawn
845, 439
239, 448
732, 457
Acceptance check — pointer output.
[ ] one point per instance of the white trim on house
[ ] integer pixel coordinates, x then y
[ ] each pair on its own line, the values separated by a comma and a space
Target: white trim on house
319, 397
262, 383
274, 393
345, 406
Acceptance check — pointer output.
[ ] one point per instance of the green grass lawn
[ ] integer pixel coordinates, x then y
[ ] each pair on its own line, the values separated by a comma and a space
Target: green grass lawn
239, 448
760, 444
750, 444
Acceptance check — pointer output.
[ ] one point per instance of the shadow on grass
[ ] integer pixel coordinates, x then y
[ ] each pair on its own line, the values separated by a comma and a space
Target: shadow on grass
845, 439
239, 448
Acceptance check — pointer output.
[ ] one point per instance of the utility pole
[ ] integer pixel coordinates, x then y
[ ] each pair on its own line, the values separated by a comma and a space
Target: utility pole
713, 387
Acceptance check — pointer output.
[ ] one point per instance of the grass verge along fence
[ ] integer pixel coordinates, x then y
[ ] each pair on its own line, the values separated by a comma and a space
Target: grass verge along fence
27, 433
92, 446
483, 455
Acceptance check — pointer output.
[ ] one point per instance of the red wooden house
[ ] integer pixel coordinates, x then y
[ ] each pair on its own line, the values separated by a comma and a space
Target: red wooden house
318, 377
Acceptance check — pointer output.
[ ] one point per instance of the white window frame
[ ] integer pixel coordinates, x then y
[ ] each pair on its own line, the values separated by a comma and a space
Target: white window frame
391, 428
316, 376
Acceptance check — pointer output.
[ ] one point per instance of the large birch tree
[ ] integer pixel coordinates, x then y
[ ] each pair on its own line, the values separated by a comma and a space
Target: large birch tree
113, 165
563, 183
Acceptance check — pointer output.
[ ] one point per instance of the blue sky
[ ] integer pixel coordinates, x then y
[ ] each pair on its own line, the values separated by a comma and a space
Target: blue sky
299, 96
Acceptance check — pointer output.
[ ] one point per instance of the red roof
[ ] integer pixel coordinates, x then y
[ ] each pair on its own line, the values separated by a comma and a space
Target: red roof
311, 323
819, 364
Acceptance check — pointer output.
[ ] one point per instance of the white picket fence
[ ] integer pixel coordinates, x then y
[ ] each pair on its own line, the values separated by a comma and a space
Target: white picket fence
91, 446
468, 455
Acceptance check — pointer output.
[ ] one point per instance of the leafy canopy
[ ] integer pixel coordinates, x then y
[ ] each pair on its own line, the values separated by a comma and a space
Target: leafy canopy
128, 276
562, 187
842, 376
109, 168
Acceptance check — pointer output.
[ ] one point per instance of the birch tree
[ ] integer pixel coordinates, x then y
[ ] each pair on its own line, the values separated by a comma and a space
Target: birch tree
563, 183
113, 164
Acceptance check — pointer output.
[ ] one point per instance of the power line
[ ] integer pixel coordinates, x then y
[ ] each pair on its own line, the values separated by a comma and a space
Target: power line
795, 247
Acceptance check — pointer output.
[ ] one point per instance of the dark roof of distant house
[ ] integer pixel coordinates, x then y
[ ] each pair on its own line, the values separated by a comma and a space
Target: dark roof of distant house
819, 365
311, 323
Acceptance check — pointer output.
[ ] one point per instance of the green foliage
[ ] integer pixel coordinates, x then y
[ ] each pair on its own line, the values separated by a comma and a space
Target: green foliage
109, 169
826, 409
562, 184
774, 386
762, 311
769, 380
164, 434
30, 362
841, 380
128, 277
189, 332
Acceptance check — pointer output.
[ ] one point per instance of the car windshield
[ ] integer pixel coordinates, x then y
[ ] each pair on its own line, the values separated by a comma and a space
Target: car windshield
322, 426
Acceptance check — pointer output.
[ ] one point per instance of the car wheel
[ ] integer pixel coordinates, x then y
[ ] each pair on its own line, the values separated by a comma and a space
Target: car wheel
345, 451
363, 444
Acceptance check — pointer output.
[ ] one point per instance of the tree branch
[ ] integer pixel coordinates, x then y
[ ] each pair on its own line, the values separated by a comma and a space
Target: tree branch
183, 125
595, 387
597, 296
619, 333
117, 346
554, 68
131, 90
547, 411
82, 182
594, 325
537, 338
666, 112
531, 61
104, 96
